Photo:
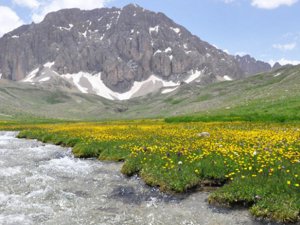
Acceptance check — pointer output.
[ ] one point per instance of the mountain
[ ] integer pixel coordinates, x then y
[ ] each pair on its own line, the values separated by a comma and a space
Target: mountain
250, 65
276, 66
115, 53
272, 93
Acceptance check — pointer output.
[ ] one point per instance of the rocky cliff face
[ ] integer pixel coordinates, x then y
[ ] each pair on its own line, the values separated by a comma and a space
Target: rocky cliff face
250, 65
124, 45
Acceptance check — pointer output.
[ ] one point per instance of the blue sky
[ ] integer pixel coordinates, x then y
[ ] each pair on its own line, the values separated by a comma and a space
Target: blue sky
266, 29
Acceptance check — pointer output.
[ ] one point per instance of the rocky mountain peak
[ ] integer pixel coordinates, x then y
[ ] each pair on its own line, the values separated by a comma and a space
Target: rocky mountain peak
114, 52
276, 66
252, 66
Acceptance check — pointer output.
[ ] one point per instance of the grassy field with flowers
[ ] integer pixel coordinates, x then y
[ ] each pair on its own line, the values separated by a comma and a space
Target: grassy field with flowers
254, 165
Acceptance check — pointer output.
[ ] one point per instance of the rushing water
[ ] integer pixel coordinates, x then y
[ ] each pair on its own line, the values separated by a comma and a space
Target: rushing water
44, 184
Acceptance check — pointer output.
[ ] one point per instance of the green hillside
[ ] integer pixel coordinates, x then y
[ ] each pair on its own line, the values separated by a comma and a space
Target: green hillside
272, 95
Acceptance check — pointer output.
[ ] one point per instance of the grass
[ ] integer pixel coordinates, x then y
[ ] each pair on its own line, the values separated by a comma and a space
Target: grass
256, 165
56, 98
282, 110
173, 101
267, 198
271, 95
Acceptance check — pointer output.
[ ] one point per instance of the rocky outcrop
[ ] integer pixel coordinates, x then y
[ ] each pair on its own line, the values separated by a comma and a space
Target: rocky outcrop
125, 45
250, 65
276, 66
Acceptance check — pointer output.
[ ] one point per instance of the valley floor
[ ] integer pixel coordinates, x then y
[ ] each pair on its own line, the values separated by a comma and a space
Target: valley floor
256, 165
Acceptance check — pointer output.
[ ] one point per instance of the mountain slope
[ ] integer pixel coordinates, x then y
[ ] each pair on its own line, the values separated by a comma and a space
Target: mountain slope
110, 51
270, 93
262, 92
21, 100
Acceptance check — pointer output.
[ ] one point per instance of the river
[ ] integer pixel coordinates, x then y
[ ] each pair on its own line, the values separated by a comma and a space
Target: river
44, 184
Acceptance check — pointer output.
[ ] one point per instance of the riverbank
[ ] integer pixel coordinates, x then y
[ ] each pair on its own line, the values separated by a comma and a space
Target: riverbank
256, 164
45, 184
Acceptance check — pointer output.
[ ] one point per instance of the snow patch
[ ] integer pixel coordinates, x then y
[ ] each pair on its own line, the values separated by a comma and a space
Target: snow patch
49, 64
194, 75
153, 29
101, 38
97, 86
44, 79
168, 49
66, 28
108, 26
176, 30
30, 76
75, 78
157, 51
277, 74
118, 16
0, 76
84, 34
228, 78
171, 57
168, 90
15, 36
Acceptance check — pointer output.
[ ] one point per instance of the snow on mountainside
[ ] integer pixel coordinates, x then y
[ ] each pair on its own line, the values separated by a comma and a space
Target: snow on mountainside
114, 53
93, 83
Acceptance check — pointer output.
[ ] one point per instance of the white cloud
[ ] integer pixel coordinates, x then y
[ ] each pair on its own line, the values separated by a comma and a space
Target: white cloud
9, 20
272, 4
284, 61
47, 6
285, 47
228, 1
267, 4
32, 4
